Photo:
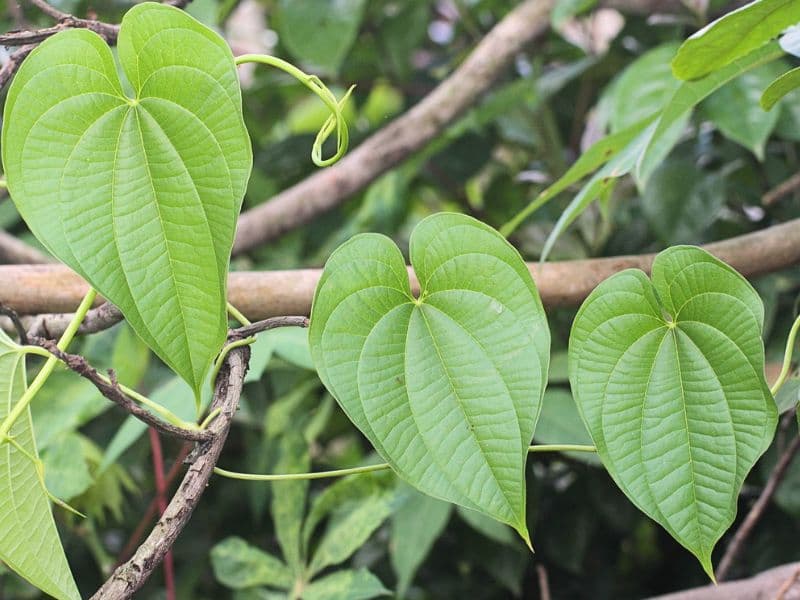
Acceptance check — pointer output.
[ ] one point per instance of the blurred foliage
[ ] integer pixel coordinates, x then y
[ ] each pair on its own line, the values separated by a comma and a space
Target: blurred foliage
595, 73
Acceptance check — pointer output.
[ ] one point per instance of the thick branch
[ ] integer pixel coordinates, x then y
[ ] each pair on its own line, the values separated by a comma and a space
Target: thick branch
112, 391
36, 289
130, 576
14, 251
397, 141
52, 326
766, 585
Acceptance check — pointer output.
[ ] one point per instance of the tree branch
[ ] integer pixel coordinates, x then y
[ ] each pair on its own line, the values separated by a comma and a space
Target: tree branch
36, 289
408, 133
129, 577
16, 252
52, 326
112, 391
766, 585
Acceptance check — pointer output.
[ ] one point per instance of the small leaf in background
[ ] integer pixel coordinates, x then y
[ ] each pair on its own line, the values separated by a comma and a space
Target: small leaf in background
668, 376
350, 489
349, 528
239, 565
498, 532
560, 423
66, 472
643, 88
319, 33
681, 201
733, 36
346, 585
448, 387
736, 109
289, 497
788, 397
29, 542
785, 83
675, 115
162, 233
416, 525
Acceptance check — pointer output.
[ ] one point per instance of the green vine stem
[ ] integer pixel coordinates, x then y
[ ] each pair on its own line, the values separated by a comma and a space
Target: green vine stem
237, 314
336, 122
222, 355
376, 467
49, 366
787, 358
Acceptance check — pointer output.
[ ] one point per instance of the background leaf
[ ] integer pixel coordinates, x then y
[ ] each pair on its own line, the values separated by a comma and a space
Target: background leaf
319, 33
416, 525
733, 36
239, 565
346, 585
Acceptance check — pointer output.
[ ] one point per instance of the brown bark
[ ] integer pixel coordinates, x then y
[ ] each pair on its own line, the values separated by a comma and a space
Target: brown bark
34, 289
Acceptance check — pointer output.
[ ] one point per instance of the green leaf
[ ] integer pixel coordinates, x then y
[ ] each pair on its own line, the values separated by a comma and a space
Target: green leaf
66, 472
447, 388
733, 36
150, 225
681, 201
788, 397
668, 375
346, 585
319, 32
735, 109
560, 423
644, 87
349, 529
239, 565
350, 489
29, 542
416, 525
289, 497
676, 114
779, 88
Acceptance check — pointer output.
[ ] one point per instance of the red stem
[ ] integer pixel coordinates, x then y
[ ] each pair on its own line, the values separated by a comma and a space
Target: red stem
161, 499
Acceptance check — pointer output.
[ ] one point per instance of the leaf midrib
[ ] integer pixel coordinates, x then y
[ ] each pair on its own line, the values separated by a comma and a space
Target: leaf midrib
461, 404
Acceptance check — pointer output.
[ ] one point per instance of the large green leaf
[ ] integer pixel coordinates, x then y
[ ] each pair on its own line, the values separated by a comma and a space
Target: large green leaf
448, 387
139, 194
668, 375
733, 36
319, 32
29, 542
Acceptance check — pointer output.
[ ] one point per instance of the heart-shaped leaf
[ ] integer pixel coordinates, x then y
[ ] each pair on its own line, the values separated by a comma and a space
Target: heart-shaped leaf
29, 542
447, 388
138, 194
668, 375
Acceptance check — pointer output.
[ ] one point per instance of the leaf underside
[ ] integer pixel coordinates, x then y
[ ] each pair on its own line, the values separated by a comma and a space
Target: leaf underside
448, 388
138, 195
29, 542
668, 375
